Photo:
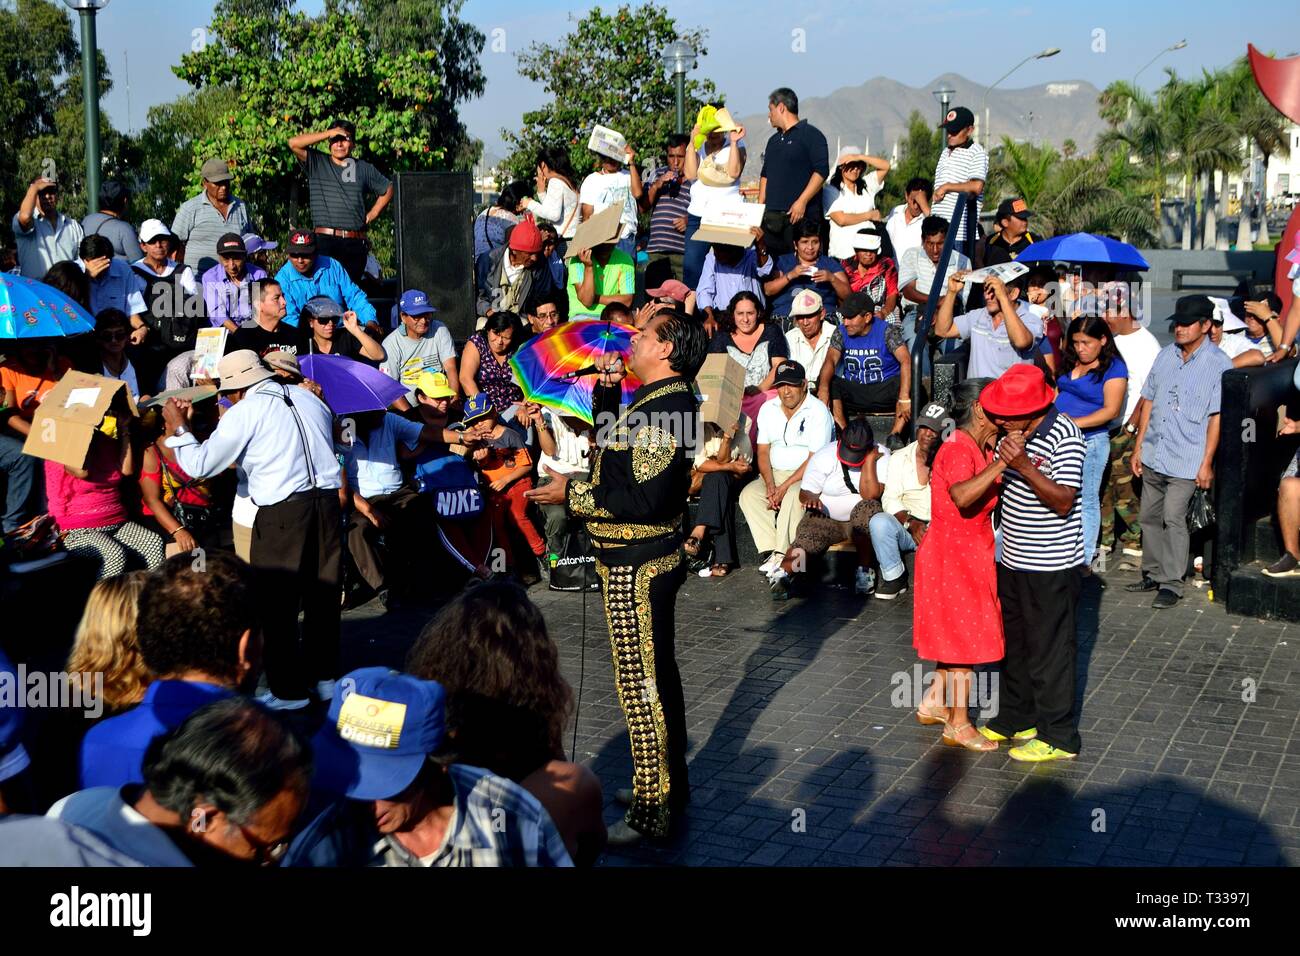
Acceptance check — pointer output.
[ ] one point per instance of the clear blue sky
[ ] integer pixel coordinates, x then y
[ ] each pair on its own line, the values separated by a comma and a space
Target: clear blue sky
846, 43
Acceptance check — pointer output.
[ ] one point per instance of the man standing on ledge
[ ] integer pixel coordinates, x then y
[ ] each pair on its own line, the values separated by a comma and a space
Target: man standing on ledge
634, 507
338, 184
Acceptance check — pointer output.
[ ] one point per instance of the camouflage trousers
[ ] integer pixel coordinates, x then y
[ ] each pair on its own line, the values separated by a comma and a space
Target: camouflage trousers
1121, 498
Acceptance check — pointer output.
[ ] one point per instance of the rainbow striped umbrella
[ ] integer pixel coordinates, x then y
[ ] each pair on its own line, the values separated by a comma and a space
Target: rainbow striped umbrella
545, 365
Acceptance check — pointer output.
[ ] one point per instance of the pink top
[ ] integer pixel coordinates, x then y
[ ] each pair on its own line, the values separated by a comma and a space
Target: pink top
92, 502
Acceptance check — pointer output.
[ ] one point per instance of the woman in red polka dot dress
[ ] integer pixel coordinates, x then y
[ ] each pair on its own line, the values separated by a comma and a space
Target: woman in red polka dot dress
957, 620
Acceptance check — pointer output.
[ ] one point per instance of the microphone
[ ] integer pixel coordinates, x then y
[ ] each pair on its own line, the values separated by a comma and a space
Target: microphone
592, 370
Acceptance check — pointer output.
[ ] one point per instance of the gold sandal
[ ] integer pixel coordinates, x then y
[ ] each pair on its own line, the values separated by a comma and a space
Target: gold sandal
929, 720
967, 737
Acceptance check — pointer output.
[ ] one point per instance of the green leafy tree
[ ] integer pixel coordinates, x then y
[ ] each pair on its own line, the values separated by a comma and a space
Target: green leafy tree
1022, 170
41, 108
396, 26
917, 155
282, 72
169, 142
607, 71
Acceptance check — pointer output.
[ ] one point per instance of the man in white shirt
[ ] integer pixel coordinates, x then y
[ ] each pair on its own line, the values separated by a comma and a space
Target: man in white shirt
613, 183
791, 428
962, 168
1229, 333
282, 437
1001, 334
916, 271
1120, 497
905, 507
840, 494
810, 339
904, 223
44, 235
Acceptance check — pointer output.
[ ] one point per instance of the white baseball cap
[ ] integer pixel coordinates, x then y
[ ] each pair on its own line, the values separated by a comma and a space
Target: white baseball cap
151, 229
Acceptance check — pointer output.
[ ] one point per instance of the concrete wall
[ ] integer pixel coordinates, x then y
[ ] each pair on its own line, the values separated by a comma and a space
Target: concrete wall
1163, 262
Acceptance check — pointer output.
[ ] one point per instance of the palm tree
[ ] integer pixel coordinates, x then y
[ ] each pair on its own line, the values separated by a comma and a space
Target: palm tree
1023, 170
1263, 129
1140, 128
1202, 139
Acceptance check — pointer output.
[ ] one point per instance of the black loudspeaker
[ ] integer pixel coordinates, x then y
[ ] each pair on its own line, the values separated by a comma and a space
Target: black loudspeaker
435, 245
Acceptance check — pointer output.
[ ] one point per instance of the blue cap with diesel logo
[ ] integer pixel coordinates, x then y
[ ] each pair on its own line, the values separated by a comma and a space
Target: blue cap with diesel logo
415, 302
382, 727
479, 406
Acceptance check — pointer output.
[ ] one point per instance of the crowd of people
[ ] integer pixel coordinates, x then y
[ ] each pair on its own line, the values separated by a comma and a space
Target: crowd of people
241, 501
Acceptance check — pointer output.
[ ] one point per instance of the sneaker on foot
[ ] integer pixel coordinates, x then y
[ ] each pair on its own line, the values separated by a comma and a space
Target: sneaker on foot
1037, 751
779, 585
1147, 583
1286, 566
864, 580
772, 563
1025, 735
1133, 552
887, 590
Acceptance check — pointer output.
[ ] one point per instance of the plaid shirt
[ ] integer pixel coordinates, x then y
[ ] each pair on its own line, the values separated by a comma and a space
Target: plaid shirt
494, 823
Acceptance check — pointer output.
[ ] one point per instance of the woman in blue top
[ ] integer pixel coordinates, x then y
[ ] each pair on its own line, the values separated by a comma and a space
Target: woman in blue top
805, 268
1091, 389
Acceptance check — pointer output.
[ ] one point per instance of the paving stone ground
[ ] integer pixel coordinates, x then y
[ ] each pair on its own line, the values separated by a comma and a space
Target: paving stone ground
798, 754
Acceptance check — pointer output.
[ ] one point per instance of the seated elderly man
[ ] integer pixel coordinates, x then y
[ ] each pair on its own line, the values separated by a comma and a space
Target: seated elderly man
840, 493
791, 428
508, 277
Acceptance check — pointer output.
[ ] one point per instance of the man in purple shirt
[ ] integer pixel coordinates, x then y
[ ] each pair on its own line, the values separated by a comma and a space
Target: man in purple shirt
197, 630
226, 285
728, 270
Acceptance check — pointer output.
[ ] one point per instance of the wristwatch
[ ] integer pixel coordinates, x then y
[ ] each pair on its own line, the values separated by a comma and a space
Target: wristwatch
180, 430
1131, 428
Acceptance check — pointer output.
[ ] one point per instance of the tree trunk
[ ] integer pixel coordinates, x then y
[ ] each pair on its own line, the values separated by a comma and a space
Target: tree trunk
1246, 214
1209, 218
1189, 209
1262, 238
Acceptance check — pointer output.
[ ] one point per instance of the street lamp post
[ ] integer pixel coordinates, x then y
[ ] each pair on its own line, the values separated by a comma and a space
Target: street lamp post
1041, 55
90, 93
1169, 49
944, 95
680, 60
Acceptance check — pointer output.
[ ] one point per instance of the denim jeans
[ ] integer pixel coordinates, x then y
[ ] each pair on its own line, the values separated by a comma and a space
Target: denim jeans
1094, 470
890, 541
19, 477
693, 259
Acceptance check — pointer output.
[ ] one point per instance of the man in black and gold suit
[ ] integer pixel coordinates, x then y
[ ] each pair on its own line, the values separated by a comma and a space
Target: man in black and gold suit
634, 508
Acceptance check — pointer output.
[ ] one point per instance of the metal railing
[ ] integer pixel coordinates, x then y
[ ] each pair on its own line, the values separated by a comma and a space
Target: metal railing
965, 206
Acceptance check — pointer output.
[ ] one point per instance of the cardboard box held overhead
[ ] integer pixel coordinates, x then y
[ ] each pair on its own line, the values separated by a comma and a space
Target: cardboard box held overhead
721, 383
601, 228
66, 419
730, 224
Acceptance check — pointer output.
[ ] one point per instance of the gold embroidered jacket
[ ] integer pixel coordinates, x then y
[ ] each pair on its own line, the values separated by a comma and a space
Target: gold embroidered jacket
641, 473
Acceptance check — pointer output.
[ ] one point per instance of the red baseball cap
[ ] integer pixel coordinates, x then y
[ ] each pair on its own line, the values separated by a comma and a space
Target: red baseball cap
1020, 391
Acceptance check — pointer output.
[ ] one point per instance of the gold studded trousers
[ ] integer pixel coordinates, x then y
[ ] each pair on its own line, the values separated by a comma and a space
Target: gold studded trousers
640, 585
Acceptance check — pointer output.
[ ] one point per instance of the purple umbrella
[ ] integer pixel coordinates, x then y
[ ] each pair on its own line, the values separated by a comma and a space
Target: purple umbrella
351, 386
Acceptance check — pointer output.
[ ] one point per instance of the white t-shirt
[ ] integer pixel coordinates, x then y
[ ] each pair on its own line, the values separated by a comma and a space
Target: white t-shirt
602, 190
903, 234
1138, 349
810, 357
841, 238
557, 207
1234, 344
915, 265
809, 429
741, 449
824, 477
705, 199
571, 449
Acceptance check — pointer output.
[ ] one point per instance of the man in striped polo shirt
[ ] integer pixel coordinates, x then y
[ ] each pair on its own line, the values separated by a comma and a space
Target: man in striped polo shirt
667, 194
1038, 566
1177, 437
963, 167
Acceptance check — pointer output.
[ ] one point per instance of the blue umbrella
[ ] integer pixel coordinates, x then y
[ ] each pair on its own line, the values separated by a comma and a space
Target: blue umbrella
351, 386
34, 310
1085, 248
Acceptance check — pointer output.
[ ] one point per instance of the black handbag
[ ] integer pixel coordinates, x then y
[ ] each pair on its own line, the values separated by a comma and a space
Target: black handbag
1200, 512
573, 568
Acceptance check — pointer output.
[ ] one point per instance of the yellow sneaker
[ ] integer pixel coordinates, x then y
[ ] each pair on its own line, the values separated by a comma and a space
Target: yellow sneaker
1023, 735
1037, 751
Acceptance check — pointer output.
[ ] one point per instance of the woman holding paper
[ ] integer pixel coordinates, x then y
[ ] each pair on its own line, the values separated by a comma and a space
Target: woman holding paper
713, 168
